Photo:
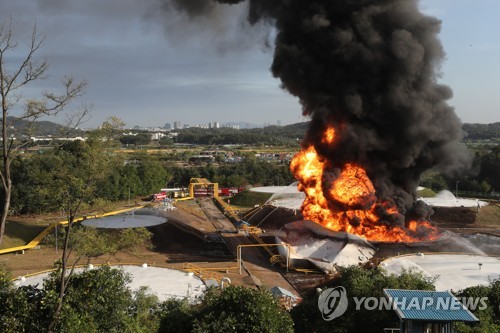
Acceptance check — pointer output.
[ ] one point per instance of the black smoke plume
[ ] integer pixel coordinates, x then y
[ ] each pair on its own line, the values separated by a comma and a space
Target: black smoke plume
370, 69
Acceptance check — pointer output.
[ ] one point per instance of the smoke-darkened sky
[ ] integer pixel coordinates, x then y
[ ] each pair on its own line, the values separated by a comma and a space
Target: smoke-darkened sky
149, 67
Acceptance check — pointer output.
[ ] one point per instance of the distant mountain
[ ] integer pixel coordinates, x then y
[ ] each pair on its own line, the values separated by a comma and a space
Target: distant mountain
471, 131
293, 131
39, 128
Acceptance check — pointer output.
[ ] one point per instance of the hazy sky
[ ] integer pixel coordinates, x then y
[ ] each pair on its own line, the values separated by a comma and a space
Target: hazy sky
150, 68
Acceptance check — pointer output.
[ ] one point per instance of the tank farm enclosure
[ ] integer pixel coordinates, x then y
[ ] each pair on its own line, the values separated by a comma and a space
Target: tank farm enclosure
366, 74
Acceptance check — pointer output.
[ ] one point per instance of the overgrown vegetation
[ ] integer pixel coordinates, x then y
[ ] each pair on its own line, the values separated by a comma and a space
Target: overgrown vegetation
490, 132
482, 180
271, 135
38, 178
232, 309
99, 300
489, 317
139, 173
358, 282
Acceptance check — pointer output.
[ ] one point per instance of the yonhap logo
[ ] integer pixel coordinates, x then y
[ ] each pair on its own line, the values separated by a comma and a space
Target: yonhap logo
332, 303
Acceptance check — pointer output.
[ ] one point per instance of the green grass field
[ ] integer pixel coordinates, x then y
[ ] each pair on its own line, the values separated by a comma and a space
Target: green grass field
20, 233
426, 193
249, 199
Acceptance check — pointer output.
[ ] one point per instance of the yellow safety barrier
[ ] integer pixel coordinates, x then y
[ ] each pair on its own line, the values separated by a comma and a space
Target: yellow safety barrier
228, 209
202, 273
38, 239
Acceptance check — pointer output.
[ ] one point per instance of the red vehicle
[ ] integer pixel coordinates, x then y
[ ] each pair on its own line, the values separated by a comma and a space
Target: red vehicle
230, 191
223, 192
159, 196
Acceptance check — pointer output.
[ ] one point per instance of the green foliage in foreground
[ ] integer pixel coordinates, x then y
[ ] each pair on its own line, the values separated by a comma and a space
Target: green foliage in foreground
359, 283
490, 316
233, 309
99, 300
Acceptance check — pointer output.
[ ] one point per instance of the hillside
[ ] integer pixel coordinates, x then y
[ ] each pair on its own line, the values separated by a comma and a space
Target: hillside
269, 134
38, 128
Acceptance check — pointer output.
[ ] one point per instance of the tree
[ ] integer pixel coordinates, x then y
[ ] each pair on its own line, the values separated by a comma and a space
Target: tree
137, 139
151, 173
144, 311
434, 181
166, 141
490, 164
14, 77
96, 300
359, 283
77, 186
20, 310
176, 316
489, 317
89, 243
35, 189
232, 309
241, 309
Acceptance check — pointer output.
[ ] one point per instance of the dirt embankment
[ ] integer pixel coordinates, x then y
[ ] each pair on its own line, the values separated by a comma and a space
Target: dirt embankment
465, 220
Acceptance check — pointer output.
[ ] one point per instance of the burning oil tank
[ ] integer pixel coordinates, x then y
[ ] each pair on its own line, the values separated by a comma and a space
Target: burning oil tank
283, 208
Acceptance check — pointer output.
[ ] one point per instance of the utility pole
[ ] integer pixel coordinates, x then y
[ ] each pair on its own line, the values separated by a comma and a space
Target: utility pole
57, 247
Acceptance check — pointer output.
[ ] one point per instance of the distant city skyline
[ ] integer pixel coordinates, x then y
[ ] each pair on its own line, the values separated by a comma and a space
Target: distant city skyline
174, 125
147, 67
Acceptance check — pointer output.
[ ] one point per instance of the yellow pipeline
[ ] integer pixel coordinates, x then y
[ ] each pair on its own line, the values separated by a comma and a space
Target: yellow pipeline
36, 241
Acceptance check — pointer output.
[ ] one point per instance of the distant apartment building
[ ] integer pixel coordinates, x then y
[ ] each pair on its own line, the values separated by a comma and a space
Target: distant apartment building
177, 125
235, 126
156, 136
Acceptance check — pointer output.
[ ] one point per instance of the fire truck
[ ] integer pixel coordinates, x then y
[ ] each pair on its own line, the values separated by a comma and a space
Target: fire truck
223, 192
159, 196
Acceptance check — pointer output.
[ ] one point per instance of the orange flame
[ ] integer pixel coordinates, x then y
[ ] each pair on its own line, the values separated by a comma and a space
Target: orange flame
329, 135
345, 200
